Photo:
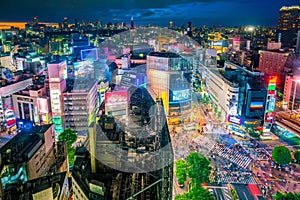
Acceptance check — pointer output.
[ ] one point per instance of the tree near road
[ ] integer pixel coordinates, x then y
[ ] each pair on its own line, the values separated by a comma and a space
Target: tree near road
297, 156
281, 155
198, 168
287, 196
197, 192
68, 135
180, 171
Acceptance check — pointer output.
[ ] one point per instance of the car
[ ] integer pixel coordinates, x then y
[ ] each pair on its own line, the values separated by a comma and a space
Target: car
211, 191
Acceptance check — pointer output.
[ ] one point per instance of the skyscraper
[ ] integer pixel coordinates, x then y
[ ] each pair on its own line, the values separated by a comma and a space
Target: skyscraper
189, 29
288, 25
298, 43
65, 23
57, 72
132, 23
35, 20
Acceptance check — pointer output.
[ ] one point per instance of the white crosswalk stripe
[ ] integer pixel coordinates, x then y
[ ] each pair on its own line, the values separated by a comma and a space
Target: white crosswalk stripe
226, 194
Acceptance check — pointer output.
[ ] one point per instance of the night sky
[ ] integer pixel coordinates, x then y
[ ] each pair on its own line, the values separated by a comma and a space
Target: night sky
156, 12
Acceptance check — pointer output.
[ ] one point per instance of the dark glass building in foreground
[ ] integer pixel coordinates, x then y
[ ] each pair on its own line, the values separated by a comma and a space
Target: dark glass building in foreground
130, 156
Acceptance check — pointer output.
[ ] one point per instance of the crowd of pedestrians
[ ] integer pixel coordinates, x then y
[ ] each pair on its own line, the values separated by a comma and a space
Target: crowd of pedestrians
234, 177
232, 154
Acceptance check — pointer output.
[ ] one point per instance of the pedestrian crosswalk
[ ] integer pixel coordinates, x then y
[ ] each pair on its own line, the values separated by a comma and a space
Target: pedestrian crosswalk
232, 155
226, 193
238, 178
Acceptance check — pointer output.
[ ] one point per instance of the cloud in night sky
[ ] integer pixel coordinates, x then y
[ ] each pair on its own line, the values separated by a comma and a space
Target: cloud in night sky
158, 12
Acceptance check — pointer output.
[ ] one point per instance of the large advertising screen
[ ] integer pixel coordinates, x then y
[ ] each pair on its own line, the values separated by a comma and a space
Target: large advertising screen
180, 95
256, 105
89, 54
234, 119
116, 97
83, 68
116, 102
43, 105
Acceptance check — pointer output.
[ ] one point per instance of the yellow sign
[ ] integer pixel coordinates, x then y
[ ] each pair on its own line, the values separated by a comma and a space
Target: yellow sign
165, 100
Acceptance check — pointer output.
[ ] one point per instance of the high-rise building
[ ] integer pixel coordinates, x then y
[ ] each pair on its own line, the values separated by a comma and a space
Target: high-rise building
32, 104
189, 29
169, 77
76, 25
57, 73
273, 63
35, 20
7, 88
31, 154
291, 95
131, 23
171, 24
288, 25
273, 45
224, 93
65, 23
52, 186
298, 43
252, 94
80, 106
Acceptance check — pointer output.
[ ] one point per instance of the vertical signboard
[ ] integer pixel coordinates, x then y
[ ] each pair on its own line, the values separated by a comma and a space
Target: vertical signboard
270, 104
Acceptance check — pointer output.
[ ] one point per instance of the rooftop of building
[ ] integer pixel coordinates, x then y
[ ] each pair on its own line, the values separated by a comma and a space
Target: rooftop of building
164, 54
219, 73
58, 61
37, 185
20, 148
25, 92
80, 85
83, 175
248, 70
277, 50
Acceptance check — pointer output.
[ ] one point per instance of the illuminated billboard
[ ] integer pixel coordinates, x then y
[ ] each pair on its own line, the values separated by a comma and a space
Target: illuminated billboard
116, 97
180, 95
234, 119
256, 105
270, 105
83, 68
58, 125
219, 43
89, 54
42, 105
55, 102
116, 102
10, 119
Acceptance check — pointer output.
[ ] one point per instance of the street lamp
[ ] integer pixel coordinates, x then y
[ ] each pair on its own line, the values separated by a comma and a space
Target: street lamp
294, 95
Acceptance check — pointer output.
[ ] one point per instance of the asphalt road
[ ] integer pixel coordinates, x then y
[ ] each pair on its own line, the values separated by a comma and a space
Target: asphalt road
243, 192
221, 192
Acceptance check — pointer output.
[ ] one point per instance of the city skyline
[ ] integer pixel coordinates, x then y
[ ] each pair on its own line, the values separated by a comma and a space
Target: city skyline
203, 12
